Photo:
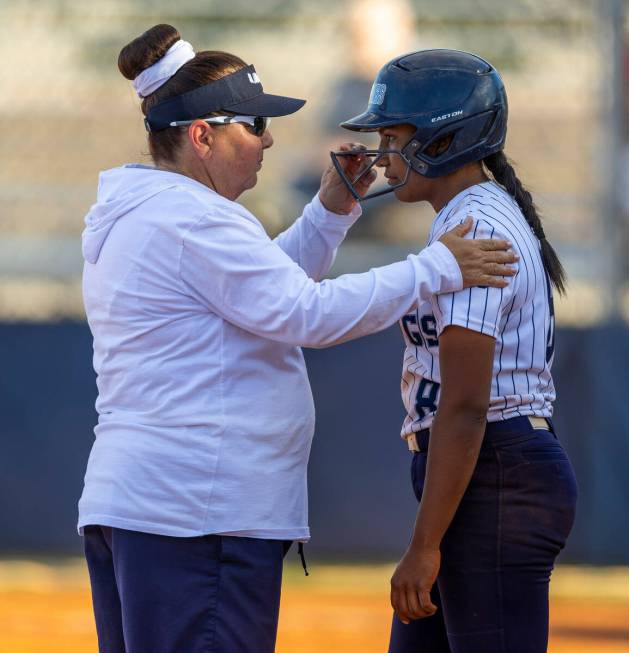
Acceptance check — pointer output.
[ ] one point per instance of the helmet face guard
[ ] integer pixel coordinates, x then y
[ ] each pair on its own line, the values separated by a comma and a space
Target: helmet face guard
375, 156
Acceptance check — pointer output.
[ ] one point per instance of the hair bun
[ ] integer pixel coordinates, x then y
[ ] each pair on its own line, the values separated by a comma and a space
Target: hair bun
146, 49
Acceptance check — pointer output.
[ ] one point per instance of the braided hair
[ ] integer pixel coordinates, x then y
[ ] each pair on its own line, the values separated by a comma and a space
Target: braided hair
504, 173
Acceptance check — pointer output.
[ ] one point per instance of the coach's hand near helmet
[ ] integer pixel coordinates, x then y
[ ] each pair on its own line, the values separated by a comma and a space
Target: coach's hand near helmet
482, 262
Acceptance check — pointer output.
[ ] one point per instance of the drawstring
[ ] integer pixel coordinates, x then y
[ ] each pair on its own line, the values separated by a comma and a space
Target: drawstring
300, 550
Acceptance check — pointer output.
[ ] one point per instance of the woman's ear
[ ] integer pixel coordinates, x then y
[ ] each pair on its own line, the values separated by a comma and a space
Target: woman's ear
201, 137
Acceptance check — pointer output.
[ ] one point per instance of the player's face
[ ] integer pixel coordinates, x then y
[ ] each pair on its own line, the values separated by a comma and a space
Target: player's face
236, 158
395, 138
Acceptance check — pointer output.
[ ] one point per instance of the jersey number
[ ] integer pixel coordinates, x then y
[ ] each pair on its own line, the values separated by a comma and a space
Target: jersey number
426, 398
424, 334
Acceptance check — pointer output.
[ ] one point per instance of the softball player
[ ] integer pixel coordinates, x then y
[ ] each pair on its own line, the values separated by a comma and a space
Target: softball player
196, 483
497, 492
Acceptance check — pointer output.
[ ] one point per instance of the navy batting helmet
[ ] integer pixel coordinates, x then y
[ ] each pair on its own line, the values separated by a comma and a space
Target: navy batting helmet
441, 93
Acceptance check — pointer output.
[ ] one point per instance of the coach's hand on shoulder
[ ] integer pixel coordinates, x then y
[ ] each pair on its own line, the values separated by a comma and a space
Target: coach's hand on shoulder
482, 262
334, 194
411, 583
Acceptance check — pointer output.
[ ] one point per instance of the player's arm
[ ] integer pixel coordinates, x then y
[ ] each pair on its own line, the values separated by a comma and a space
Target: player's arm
466, 361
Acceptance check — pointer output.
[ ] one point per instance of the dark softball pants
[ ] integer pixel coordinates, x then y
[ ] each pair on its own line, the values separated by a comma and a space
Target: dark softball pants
158, 594
499, 551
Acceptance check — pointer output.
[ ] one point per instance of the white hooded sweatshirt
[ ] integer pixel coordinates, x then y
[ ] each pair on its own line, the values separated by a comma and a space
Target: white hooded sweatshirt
205, 410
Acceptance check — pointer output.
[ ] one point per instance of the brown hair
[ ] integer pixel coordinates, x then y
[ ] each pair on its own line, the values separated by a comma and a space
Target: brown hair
206, 67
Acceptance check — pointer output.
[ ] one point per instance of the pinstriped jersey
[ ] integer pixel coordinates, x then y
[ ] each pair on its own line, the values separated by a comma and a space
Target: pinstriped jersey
520, 317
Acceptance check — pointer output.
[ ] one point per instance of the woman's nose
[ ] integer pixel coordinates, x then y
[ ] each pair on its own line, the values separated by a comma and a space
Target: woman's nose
267, 139
382, 161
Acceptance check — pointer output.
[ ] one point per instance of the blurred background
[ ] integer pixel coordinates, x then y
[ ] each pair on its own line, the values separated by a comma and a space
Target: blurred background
66, 113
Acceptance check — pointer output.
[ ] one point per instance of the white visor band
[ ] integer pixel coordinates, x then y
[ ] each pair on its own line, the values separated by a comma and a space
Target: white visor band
150, 79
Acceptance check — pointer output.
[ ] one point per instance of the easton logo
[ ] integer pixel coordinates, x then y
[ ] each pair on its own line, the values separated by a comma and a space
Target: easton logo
253, 78
445, 116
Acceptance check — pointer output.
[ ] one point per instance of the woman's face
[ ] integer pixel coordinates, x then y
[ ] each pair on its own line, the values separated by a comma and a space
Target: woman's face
236, 158
417, 188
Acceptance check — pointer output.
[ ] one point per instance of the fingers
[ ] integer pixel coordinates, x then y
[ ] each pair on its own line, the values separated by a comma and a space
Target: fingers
415, 610
419, 604
348, 147
497, 270
491, 244
356, 164
400, 605
410, 603
502, 257
427, 606
351, 164
485, 281
352, 148
463, 228
492, 275
363, 185
482, 280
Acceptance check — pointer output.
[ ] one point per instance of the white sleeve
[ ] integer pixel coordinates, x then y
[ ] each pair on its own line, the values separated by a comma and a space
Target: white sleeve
312, 240
480, 308
232, 267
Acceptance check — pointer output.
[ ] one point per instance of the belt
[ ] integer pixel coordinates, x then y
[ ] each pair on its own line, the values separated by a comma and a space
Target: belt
537, 423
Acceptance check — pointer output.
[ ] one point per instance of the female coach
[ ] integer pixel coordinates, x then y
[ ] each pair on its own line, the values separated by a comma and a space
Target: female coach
196, 483
497, 491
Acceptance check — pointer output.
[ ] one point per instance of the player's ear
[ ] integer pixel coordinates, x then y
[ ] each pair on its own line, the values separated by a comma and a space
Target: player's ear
440, 146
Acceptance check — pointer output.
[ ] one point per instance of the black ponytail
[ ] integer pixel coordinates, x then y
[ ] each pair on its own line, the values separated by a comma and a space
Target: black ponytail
503, 172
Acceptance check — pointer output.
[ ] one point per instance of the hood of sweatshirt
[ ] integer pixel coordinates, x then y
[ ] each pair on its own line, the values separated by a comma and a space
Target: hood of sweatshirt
121, 190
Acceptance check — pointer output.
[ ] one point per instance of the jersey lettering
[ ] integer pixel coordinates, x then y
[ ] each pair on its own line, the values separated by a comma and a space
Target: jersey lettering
411, 329
429, 329
426, 398
422, 335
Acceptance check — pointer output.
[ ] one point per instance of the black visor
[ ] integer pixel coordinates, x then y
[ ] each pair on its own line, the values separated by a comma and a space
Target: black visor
240, 92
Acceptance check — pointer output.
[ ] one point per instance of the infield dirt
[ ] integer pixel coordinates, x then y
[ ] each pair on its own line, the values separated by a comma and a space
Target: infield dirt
337, 609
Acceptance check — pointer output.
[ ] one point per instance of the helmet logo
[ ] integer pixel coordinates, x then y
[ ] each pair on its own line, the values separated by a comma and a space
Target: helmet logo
377, 94
445, 116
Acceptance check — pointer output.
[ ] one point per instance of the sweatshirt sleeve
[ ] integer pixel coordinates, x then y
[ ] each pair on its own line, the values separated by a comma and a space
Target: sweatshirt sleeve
235, 270
312, 240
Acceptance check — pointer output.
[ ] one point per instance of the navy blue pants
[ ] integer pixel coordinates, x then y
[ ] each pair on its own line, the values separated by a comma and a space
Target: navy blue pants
499, 551
158, 594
